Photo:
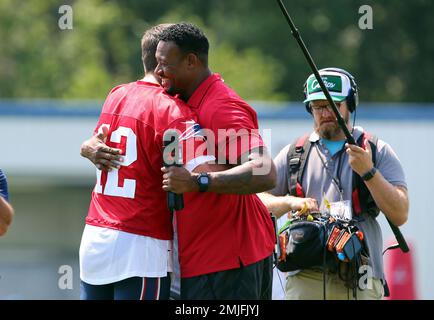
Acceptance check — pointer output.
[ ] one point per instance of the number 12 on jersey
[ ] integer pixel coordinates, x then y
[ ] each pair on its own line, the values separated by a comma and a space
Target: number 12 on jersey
112, 187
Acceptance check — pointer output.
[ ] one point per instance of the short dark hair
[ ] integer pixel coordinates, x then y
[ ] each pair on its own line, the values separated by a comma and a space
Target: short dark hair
189, 38
149, 46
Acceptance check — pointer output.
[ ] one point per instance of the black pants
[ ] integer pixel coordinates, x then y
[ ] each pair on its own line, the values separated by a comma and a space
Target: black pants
252, 282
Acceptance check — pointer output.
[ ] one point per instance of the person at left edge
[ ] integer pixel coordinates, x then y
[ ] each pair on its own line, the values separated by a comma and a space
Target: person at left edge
126, 246
6, 210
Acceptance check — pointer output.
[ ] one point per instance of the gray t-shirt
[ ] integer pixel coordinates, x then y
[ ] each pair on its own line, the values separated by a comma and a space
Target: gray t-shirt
317, 183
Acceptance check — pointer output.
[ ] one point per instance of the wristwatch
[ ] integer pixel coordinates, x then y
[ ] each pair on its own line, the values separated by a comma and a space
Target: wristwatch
203, 181
370, 174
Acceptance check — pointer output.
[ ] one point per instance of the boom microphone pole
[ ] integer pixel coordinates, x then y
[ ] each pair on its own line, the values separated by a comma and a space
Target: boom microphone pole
306, 53
398, 235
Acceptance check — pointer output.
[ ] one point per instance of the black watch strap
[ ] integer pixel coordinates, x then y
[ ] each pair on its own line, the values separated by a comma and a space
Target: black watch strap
203, 181
370, 174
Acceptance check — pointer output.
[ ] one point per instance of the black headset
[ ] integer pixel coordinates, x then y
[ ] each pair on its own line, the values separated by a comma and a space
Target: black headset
352, 98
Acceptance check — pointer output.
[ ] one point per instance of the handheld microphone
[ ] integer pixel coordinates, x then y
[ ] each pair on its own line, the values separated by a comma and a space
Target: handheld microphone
171, 157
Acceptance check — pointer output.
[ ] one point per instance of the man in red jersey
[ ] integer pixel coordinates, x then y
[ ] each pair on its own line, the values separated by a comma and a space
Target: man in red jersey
226, 236
125, 251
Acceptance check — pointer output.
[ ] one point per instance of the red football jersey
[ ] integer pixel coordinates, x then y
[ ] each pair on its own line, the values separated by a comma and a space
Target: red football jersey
131, 198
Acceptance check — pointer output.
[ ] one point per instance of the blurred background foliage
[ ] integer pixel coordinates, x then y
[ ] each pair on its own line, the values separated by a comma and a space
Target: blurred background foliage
251, 45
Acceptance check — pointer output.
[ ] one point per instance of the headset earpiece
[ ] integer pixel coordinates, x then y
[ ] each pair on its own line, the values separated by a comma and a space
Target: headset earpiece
350, 101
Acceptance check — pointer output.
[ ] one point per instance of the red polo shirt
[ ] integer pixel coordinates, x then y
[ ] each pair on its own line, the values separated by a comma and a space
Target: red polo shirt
218, 232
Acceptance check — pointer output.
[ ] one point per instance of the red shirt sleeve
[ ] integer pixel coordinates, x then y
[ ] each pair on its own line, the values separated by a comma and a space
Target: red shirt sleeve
235, 126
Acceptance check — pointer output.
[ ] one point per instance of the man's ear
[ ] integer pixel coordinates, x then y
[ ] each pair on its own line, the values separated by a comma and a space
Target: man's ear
192, 60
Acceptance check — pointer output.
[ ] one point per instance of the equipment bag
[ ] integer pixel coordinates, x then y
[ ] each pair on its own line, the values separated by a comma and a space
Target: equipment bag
306, 242
302, 245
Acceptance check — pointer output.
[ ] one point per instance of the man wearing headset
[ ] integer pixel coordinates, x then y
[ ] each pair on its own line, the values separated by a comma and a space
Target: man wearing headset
364, 179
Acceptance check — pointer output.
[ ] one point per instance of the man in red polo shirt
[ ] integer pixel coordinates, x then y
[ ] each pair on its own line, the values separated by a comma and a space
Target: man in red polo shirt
225, 233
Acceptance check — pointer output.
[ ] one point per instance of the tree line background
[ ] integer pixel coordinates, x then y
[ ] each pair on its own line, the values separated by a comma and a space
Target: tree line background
251, 45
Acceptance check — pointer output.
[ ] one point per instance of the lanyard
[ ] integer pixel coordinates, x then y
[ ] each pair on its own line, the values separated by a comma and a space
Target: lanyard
335, 179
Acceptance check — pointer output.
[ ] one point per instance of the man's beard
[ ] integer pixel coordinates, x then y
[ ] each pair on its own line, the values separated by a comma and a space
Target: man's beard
171, 90
331, 130
168, 86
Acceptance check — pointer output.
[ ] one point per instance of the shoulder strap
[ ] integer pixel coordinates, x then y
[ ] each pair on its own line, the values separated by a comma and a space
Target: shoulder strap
362, 199
297, 155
